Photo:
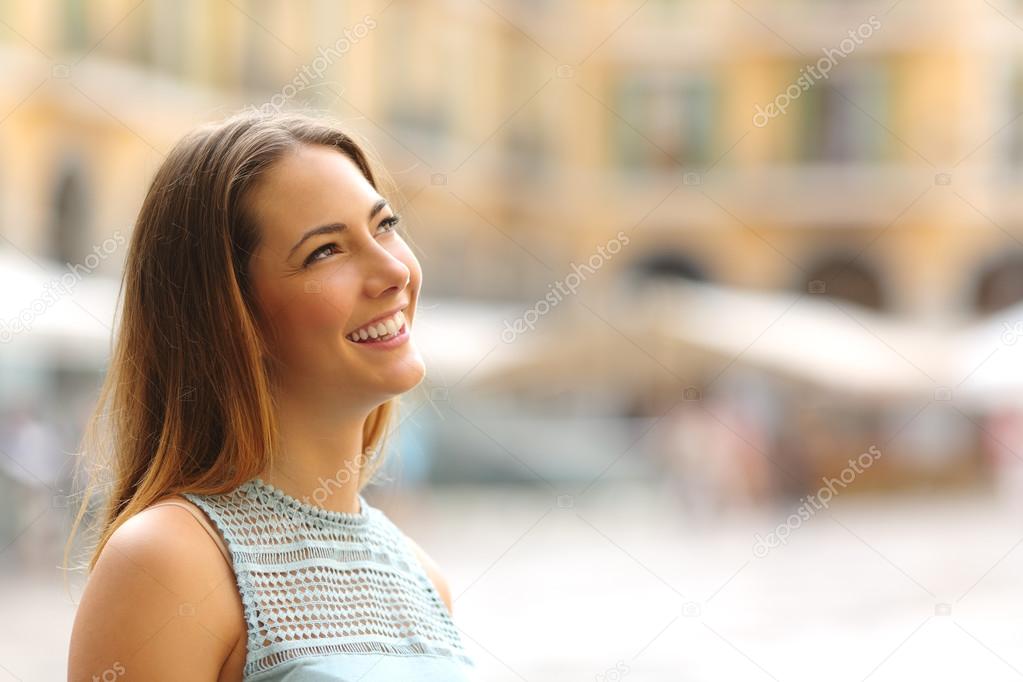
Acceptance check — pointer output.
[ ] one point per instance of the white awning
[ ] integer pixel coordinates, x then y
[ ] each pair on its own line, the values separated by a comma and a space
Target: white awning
832, 343
48, 309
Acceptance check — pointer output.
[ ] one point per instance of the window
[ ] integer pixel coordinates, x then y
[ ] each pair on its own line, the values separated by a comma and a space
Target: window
420, 67
76, 30
1014, 148
168, 36
843, 118
663, 121
262, 55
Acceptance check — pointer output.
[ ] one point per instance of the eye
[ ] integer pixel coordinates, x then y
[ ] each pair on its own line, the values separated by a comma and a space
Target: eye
313, 256
390, 222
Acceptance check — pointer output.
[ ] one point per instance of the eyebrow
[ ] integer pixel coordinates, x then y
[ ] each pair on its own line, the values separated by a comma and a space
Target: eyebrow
334, 227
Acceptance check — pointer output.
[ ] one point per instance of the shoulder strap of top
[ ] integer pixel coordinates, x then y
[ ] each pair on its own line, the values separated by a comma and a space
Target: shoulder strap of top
202, 522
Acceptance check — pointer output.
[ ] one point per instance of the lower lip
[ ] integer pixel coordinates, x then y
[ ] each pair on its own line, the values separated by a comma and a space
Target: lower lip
393, 342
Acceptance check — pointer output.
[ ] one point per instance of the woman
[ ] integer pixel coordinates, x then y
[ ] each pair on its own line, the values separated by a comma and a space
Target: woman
264, 341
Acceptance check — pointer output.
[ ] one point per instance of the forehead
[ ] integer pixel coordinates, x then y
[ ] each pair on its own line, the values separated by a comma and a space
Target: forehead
309, 186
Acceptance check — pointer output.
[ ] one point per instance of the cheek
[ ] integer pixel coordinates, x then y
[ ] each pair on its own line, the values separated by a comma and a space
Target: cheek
314, 312
323, 304
304, 311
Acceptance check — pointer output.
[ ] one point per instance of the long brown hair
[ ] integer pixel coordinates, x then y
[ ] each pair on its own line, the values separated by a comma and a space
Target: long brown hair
187, 401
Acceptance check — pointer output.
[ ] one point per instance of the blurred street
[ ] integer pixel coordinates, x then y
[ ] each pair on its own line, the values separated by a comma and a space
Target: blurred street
880, 589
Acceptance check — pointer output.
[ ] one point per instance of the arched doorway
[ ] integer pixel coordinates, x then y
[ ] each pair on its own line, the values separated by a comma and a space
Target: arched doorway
666, 266
999, 286
845, 278
69, 230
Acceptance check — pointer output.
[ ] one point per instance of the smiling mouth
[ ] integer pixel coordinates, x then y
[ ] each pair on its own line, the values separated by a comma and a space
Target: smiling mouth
380, 331
368, 341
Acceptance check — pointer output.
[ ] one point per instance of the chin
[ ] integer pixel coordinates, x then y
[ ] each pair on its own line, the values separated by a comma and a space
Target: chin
404, 377
414, 374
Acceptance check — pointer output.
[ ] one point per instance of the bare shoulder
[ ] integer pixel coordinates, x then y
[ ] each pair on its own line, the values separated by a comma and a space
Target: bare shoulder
161, 588
433, 572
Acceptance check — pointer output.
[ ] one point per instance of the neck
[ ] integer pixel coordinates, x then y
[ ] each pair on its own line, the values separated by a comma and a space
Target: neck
320, 453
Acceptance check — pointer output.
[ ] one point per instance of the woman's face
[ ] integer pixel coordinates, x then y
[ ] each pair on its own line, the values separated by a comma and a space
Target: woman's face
315, 287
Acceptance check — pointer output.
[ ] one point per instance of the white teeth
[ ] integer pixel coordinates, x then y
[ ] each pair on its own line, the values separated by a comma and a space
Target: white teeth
386, 328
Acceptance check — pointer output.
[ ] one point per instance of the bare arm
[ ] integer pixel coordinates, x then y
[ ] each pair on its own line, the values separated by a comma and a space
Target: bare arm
433, 572
160, 604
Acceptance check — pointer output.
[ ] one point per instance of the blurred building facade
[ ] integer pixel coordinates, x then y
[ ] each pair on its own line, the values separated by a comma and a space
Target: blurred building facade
525, 135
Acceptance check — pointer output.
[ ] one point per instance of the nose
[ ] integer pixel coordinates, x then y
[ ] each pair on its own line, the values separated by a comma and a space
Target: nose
385, 273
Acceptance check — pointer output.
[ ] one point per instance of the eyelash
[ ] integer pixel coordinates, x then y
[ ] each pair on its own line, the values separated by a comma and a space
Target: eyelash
391, 221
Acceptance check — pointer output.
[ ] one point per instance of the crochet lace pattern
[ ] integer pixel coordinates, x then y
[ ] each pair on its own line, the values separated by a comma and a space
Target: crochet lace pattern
316, 582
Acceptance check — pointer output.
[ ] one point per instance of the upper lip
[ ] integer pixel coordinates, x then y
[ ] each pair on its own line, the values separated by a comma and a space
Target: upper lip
381, 318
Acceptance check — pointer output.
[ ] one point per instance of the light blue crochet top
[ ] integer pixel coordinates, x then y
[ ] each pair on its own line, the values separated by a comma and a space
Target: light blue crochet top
331, 595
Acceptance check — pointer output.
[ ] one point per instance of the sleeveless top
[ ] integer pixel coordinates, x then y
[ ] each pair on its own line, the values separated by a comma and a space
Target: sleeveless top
331, 595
